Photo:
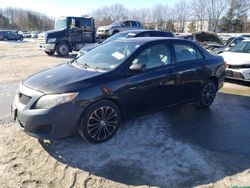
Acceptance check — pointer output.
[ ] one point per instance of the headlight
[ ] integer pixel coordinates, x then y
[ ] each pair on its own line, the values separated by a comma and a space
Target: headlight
49, 101
52, 40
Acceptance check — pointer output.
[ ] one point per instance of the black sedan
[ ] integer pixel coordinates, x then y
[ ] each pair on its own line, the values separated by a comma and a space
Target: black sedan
124, 35
94, 93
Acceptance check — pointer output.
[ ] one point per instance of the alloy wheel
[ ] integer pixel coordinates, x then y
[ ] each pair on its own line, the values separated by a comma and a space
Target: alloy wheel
208, 94
102, 123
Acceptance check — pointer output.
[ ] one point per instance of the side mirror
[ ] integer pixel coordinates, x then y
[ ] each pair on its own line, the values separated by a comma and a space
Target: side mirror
137, 67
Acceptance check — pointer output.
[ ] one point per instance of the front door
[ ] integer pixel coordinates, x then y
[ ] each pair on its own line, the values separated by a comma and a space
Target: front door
75, 31
155, 87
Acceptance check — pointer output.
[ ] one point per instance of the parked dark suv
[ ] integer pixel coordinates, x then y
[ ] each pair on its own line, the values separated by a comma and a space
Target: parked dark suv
94, 93
10, 35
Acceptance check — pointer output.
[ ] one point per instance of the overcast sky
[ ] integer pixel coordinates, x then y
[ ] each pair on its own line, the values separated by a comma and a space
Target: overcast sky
56, 8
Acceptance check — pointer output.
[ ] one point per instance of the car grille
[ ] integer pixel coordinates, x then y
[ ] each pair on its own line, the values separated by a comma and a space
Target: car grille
233, 74
41, 39
24, 99
238, 66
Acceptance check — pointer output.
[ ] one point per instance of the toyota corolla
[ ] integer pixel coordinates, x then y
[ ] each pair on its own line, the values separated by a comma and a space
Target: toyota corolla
91, 95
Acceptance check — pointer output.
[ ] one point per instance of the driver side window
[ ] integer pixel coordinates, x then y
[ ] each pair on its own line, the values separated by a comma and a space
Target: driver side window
154, 56
74, 23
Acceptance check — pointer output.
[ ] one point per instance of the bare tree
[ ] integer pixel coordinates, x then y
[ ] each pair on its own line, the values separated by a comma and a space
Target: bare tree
199, 11
215, 9
142, 15
182, 11
109, 14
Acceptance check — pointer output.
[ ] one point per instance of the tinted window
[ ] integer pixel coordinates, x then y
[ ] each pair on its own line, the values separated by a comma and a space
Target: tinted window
242, 47
134, 24
139, 24
186, 52
127, 24
154, 56
86, 23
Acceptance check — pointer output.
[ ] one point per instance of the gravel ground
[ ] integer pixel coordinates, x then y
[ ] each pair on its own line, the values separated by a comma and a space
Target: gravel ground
142, 154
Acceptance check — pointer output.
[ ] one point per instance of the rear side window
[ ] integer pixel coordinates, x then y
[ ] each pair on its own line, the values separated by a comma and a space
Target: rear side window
134, 24
186, 52
139, 24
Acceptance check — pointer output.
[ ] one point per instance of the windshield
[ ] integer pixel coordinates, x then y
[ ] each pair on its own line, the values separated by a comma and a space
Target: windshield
118, 36
242, 47
60, 24
118, 23
108, 56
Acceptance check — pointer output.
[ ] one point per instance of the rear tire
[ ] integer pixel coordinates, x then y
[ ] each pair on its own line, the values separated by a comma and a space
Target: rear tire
62, 49
5, 39
207, 94
99, 122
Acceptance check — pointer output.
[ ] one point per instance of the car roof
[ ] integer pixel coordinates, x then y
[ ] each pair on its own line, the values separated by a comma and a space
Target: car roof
143, 30
144, 40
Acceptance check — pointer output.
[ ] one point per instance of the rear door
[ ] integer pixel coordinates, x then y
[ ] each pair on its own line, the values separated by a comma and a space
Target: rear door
125, 26
188, 62
155, 87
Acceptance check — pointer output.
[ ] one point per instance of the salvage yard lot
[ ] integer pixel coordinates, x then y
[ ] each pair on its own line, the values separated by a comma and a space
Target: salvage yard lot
178, 147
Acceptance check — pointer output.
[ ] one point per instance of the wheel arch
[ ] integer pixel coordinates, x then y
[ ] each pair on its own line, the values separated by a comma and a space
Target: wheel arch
115, 31
215, 80
115, 101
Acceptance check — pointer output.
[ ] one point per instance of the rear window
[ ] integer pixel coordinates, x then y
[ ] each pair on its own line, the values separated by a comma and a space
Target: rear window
86, 23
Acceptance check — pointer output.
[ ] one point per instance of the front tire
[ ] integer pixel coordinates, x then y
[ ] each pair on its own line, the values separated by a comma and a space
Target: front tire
62, 49
49, 52
99, 122
207, 94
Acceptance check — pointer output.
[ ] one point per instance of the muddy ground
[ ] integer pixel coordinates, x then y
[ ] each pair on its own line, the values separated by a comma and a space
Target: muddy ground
178, 147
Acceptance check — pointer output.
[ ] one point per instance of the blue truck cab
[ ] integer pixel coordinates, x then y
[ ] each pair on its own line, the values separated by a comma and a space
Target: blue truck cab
69, 34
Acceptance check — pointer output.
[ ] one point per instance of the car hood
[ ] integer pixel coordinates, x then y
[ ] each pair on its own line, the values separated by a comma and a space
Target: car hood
62, 78
234, 58
105, 27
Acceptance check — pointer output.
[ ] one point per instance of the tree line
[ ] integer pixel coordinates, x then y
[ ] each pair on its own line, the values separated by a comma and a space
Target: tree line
19, 19
221, 15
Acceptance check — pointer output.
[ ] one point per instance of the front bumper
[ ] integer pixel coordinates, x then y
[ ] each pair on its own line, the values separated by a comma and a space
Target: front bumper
47, 47
238, 74
57, 122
